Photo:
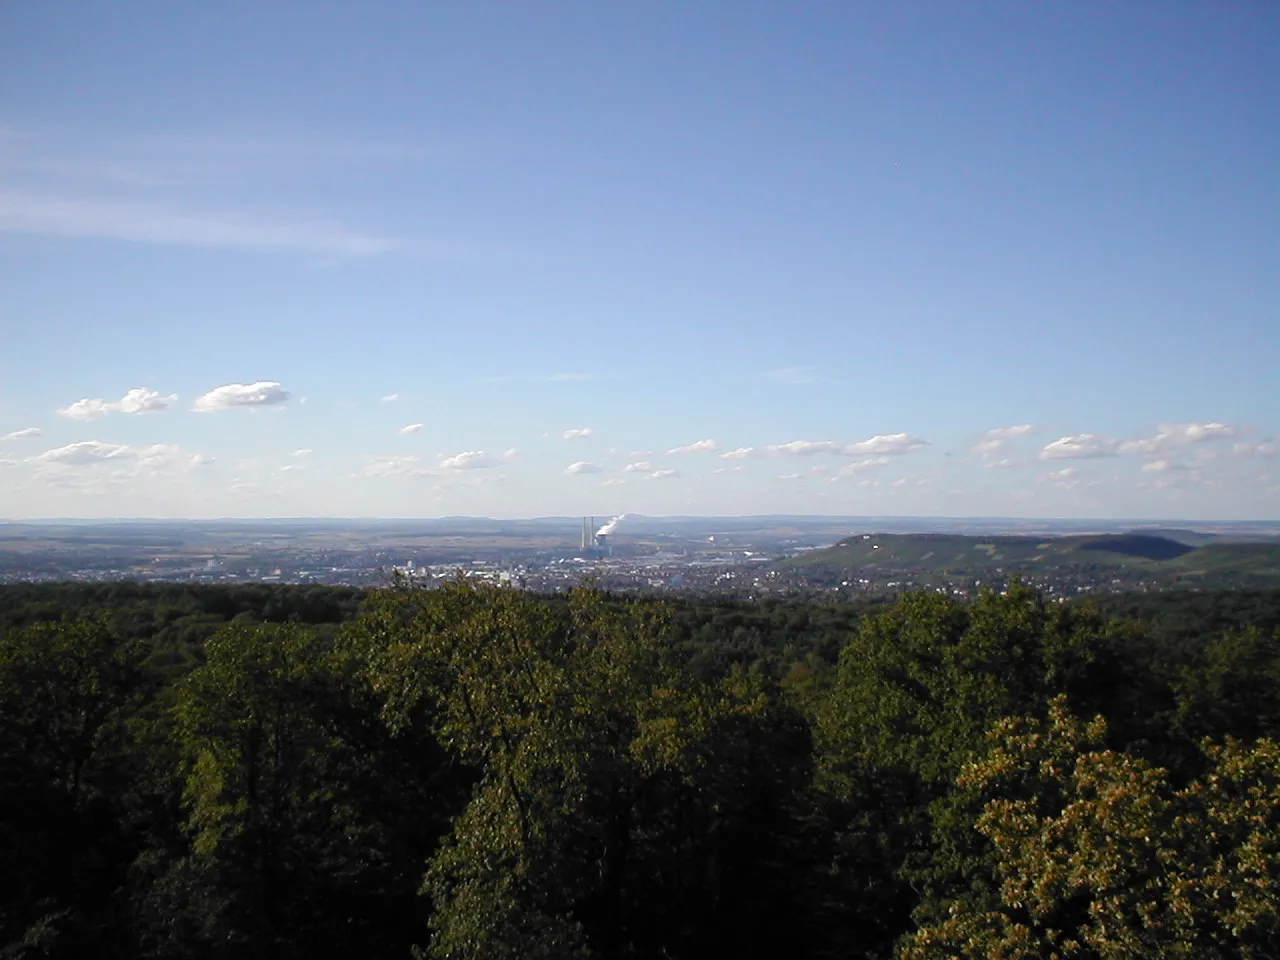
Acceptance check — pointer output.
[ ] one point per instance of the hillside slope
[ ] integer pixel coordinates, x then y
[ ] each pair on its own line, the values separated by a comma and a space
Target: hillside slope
948, 554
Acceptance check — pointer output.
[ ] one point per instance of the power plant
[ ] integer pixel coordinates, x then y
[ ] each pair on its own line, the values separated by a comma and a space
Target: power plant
598, 543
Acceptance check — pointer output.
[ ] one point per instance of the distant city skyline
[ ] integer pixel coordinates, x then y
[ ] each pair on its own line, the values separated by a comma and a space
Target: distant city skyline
506, 260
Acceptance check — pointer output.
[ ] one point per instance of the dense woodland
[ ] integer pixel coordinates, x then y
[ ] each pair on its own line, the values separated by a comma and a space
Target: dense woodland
471, 772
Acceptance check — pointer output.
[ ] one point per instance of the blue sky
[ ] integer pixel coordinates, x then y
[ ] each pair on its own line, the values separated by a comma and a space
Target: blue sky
512, 259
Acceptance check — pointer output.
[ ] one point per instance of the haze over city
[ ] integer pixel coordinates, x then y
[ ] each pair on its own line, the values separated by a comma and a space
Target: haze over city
517, 260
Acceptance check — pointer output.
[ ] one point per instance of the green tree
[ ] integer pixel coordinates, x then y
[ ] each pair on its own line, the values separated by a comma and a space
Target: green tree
67, 690
614, 794
307, 823
1099, 856
916, 689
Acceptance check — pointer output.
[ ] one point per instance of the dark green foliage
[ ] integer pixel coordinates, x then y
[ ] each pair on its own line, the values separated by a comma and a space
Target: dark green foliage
190, 771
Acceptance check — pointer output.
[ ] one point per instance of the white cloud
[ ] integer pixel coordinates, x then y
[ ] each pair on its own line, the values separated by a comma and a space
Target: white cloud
1161, 466
1004, 464
885, 443
701, 446
411, 428
640, 466
582, 466
144, 400
663, 475
1084, 446
740, 453
805, 448
613, 482
86, 409
137, 400
162, 457
401, 466
305, 452
994, 440
579, 433
891, 443
262, 393
1265, 449
157, 458
1008, 433
849, 469
84, 453
1177, 435
56, 216
791, 476
23, 434
474, 460
391, 398
737, 469
1066, 477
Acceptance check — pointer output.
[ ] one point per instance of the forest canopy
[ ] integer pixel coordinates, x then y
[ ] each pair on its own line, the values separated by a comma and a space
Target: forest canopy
476, 772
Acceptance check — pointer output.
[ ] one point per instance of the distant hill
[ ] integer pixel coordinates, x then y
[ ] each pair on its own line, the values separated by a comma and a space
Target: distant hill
956, 555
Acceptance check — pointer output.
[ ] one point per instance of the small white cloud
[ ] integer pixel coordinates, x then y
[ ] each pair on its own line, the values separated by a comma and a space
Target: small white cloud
994, 440
84, 453
849, 469
137, 400
86, 409
1084, 446
582, 466
805, 448
612, 482
411, 428
791, 476
885, 443
24, 434
739, 453
144, 400
163, 457
391, 398
736, 469
640, 466
1265, 449
402, 466
1005, 464
579, 433
305, 452
891, 443
662, 475
157, 458
1009, 433
468, 460
1066, 477
1162, 466
701, 446
1177, 435
262, 393
475, 460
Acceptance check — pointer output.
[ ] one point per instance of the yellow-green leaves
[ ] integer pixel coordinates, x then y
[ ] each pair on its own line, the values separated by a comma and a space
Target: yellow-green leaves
1100, 855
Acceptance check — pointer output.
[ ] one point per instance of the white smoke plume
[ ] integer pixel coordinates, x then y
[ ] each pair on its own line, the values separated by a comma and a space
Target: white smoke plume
612, 525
